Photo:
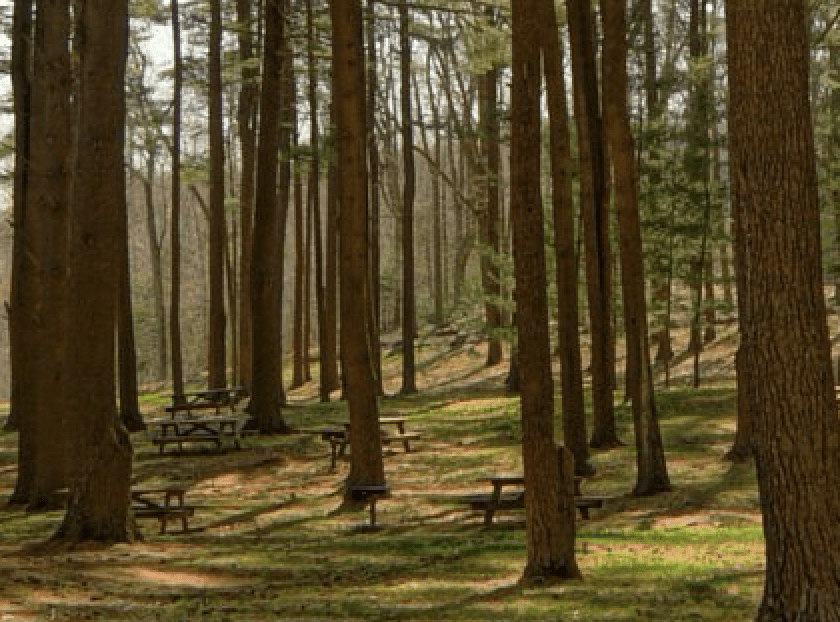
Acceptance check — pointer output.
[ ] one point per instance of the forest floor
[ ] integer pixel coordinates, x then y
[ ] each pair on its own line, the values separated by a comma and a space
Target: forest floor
269, 540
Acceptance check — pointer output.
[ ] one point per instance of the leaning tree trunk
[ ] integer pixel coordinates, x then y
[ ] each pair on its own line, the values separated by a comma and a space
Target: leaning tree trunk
651, 471
98, 506
595, 220
795, 427
571, 374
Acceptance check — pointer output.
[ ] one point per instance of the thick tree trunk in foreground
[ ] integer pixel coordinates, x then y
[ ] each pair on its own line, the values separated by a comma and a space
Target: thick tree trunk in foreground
98, 446
549, 506
41, 319
784, 330
366, 467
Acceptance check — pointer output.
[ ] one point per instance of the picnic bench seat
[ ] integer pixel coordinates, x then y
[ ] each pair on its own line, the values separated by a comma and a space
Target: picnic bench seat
369, 495
164, 503
401, 437
162, 441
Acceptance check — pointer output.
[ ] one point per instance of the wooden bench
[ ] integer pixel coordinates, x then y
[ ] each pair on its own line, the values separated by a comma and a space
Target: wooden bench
401, 437
162, 441
369, 495
164, 503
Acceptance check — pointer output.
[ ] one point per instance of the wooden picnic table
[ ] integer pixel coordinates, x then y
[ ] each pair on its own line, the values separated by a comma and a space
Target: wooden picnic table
212, 429
338, 436
206, 399
500, 500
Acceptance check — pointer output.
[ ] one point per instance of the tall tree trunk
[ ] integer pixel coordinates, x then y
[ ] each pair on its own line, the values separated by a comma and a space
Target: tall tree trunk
331, 269
22, 95
247, 117
409, 319
490, 276
366, 466
157, 272
97, 445
297, 323
568, 339
651, 471
127, 361
796, 428
373, 198
175, 218
41, 319
549, 505
326, 338
267, 398
216, 361
595, 219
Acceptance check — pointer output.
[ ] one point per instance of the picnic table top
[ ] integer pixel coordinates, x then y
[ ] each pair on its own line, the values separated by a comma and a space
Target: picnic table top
210, 393
389, 419
168, 421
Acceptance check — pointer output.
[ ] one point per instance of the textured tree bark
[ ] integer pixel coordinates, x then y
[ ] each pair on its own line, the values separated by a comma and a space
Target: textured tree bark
409, 319
549, 505
374, 185
22, 91
157, 271
568, 339
297, 322
796, 431
595, 220
651, 470
366, 467
216, 225
490, 277
175, 216
42, 320
247, 117
267, 398
97, 445
126, 350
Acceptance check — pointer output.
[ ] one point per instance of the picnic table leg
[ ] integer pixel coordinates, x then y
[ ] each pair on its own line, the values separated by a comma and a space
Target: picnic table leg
373, 510
406, 446
584, 512
333, 447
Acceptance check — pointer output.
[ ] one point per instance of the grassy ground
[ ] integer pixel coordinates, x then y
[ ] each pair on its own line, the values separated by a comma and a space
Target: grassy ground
269, 542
